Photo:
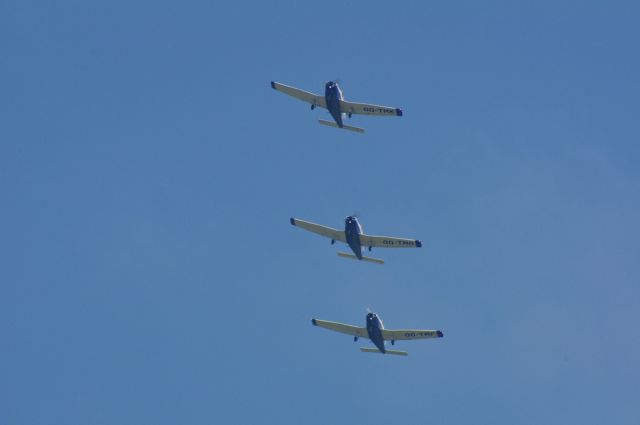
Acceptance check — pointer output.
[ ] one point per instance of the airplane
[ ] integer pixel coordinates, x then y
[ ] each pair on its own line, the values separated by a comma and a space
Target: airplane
335, 103
375, 331
355, 238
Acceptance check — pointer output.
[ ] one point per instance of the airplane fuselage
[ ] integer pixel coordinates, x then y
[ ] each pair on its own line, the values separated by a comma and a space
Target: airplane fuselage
333, 96
352, 232
374, 329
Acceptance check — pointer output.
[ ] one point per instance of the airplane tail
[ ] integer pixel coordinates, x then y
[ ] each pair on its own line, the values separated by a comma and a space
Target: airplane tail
344, 126
375, 350
353, 257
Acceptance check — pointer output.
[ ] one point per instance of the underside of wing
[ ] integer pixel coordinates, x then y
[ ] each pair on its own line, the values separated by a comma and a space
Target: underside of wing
342, 328
389, 242
305, 96
328, 232
368, 109
400, 334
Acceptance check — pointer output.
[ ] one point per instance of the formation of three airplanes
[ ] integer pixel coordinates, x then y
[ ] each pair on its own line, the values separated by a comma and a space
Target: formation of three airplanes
352, 234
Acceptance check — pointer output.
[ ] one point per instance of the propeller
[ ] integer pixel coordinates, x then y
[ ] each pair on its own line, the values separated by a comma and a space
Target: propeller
335, 80
356, 215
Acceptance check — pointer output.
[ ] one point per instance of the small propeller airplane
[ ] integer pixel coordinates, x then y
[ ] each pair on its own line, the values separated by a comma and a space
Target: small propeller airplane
375, 331
335, 103
355, 238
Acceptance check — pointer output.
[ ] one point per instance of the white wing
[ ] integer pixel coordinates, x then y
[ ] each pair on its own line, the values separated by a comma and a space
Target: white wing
342, 328
400, 334
328, 232
305, 96
389, 242
368, 109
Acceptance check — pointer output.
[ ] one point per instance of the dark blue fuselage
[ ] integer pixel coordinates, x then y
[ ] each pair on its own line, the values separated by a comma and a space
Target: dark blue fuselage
352, 231
374, 329
333, 96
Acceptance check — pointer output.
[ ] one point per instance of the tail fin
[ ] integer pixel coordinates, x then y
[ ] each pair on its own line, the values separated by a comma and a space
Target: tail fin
353, 257
375, 350
344, 126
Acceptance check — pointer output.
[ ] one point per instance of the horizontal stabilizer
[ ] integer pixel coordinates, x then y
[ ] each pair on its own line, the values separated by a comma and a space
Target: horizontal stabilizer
353, 257
344, 126
375, 350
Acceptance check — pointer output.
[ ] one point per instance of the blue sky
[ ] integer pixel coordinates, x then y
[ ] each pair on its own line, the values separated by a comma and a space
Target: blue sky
148, 171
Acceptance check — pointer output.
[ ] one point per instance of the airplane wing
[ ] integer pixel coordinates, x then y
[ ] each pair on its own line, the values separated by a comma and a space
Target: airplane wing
401, 334
305, 96
325, 231
368, 109
342, 328
389, 242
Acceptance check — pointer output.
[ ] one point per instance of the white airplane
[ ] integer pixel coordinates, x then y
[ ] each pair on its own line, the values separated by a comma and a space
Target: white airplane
355, 238
334, 102
375, 331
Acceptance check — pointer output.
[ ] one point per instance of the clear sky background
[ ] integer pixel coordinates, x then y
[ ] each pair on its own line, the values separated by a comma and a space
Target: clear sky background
149, 273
